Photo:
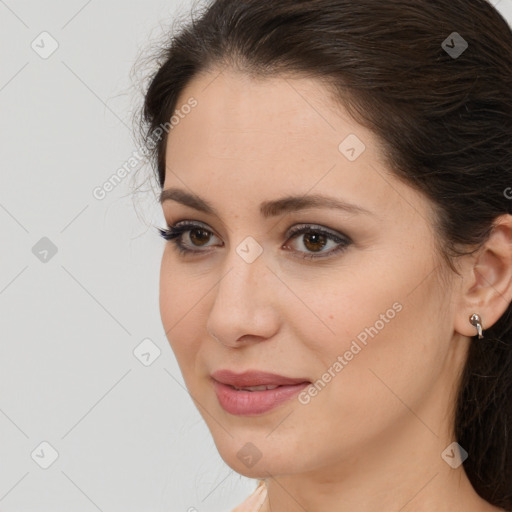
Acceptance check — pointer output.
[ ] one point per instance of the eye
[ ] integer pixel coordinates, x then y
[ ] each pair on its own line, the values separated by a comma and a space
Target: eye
197, 235
189, 237
314, 239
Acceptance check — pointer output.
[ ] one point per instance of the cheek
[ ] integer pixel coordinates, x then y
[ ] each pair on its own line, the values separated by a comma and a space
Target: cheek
179, 309
343, 310
368, 334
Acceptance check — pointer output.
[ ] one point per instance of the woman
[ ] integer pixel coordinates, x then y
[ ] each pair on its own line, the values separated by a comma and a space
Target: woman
336, 178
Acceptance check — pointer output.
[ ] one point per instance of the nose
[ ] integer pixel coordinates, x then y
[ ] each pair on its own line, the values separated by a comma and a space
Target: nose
244, 309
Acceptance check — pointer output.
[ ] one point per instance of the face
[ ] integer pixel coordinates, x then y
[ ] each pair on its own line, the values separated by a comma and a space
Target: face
347, 299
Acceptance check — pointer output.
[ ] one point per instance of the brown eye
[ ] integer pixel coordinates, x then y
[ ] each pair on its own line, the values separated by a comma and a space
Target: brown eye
199, 236
310, 241
314, 242
185, 236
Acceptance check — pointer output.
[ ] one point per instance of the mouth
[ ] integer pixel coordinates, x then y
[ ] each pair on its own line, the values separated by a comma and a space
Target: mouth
255, 379
255, 388
253, 393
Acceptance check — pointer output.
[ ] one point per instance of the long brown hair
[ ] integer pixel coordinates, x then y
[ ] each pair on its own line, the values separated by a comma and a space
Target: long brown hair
433, 79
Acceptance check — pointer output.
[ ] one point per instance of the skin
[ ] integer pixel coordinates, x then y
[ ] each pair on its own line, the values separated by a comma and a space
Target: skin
372, 439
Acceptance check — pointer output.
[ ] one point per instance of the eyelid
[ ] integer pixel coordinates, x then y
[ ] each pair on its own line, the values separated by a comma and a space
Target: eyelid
341, 240
190, 224
288, 233
305, 227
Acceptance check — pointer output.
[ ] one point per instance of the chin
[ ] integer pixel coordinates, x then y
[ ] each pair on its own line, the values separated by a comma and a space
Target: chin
256, 459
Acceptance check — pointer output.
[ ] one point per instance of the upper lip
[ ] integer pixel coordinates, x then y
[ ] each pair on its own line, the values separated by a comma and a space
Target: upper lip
254, 378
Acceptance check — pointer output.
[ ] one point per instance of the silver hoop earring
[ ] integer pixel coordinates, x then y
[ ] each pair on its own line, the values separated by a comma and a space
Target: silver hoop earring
477, 322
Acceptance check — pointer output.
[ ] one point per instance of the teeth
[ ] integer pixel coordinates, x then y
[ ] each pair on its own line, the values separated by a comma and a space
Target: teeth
256, 388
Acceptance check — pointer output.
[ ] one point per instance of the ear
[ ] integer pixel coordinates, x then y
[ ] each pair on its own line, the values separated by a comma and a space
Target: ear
486, 280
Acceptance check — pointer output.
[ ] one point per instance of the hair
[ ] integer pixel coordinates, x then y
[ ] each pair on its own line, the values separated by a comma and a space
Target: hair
444, 121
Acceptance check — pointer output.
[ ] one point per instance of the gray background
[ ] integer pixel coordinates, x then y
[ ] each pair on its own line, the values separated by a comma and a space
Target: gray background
127, 434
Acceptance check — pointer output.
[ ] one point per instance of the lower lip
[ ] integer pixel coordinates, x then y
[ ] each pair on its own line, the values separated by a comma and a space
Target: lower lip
248, 403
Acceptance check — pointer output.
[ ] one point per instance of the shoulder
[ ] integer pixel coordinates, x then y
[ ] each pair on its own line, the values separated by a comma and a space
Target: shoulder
254, 501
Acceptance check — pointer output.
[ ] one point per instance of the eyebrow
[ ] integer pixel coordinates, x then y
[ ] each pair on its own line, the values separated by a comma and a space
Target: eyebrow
268, 208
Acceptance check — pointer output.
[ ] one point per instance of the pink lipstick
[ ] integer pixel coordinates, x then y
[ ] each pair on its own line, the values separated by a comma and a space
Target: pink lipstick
254, 392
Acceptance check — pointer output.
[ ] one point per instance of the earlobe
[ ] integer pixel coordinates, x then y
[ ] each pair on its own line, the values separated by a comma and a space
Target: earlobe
487, 281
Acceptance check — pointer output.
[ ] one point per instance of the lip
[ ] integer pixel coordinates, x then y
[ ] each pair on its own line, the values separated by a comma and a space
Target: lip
254, 378
250, 403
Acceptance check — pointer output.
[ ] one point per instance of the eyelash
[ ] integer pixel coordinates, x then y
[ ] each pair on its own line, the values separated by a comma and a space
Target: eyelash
174, 234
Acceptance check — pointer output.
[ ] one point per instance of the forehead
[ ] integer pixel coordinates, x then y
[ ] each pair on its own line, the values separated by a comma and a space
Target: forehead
259, 115
247, 124
261, 138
